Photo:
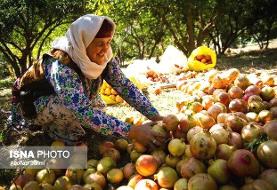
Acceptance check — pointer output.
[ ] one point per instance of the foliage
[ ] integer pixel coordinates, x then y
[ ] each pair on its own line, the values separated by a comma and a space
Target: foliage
265, 28
137, 32
235, 18
27, 24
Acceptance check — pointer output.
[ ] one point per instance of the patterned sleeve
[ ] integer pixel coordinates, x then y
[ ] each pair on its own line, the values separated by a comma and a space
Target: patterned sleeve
127, 90
68, 86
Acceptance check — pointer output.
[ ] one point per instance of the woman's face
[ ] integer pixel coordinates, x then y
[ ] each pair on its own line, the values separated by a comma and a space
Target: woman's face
97, 50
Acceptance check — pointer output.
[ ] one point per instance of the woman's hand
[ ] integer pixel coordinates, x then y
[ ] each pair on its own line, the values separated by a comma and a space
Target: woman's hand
146, 136
157, 118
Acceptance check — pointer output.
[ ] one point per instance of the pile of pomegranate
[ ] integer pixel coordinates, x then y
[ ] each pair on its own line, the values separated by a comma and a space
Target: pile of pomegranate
224, 137
154, 76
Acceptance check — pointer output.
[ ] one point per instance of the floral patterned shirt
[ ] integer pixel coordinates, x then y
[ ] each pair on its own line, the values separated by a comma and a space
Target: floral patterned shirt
73, 94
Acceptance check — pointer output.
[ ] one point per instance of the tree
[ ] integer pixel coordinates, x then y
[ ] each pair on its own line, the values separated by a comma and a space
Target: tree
27, 24
139, 32
264, 29
187, 22
236, 19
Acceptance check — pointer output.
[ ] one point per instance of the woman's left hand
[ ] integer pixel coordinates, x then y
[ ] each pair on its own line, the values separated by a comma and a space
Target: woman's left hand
146, 136
157, 118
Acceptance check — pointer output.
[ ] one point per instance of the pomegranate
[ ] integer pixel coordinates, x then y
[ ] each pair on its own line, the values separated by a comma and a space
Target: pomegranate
222, 117
46, 186
146, 184
134, 180
273, 102
215, 110
159, 155
219, 133
219, 171
235, 140
92, 163
250, 132
179, 164
115, 176
235, 122
46, 176
170, 122
186, 123
159, 129
228, 187
171, 160
191, 167
88, 172
134, 155
273, 112
21, 180
223, 97
232, 74
140, 148
204, 120
94, 186
62, 183
242, 81
193, 131
129, 170
146, 165
243, 163
176, 147
271, 129
32, 185
77, 187
96, 177
254, 98
252, 117
124, 187
166, 177
267, 93
31, 171
255, 104
104, 146
253, 90
181, 184
75, 175
57, 144
207, 101
270, 175
235, 92
267, 153
258, 184
121, 144
238, 105
202, 181
265, 116
202, 146
195, 107
224, 151
105, 164
15, 187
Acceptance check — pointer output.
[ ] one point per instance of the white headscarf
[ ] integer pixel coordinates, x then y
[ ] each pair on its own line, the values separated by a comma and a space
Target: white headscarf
78, 37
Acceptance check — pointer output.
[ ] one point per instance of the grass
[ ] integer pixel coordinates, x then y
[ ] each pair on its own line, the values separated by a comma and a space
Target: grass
259, 60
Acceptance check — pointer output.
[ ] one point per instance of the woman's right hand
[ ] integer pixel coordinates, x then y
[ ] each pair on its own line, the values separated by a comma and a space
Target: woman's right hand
146, 136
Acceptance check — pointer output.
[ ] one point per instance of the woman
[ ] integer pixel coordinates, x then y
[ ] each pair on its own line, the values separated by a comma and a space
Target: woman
75, 102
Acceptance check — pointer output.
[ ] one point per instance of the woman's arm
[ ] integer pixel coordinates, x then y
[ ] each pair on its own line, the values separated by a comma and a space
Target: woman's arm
128, 91
69, 88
